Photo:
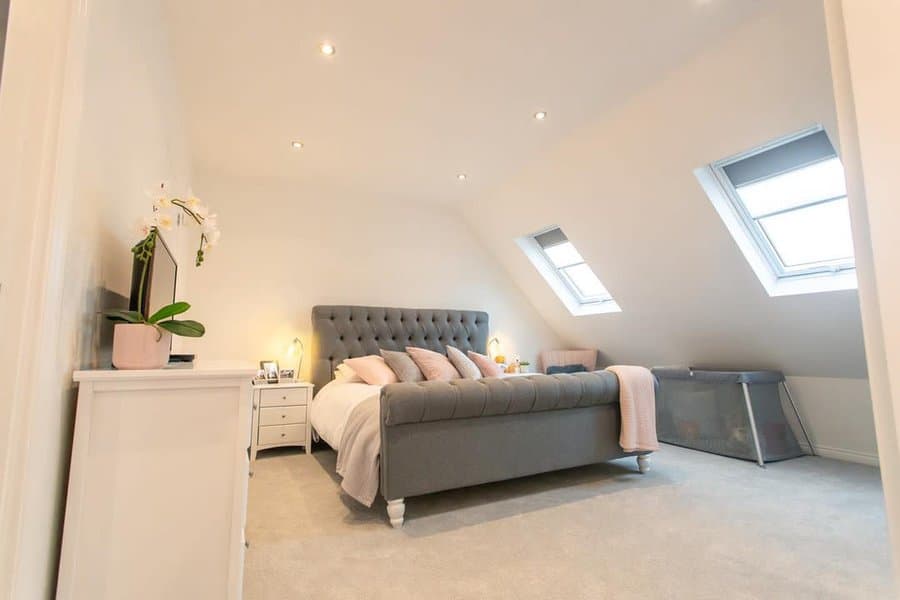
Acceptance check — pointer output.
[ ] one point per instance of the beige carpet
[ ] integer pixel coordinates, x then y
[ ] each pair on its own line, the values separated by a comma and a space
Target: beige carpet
696, 526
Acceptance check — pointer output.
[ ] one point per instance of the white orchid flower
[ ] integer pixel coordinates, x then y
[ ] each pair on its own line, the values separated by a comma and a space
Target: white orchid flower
160, 196
165, 221
210, 224
212, 238
143, 226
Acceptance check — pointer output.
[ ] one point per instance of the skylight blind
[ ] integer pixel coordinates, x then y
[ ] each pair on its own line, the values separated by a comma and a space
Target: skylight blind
550, 238
780, 159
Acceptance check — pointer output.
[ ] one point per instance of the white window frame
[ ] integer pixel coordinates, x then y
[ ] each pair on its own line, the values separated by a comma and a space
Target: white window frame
754, 243
576, 303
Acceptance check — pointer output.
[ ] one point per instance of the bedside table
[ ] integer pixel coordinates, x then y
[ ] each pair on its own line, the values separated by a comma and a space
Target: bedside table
280, 416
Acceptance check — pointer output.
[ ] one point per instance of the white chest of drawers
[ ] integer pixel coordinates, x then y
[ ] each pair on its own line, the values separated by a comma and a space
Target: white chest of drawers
158, 484
281, 416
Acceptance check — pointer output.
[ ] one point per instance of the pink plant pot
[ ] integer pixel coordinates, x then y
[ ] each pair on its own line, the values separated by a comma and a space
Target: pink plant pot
139, 346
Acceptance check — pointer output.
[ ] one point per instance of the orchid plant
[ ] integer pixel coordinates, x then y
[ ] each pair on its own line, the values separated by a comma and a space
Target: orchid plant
148, 228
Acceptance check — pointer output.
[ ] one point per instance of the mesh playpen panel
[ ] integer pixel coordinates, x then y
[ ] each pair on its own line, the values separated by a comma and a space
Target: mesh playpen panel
706, 410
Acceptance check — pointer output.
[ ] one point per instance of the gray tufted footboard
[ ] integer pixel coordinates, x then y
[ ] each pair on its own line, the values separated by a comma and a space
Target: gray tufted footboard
444, 435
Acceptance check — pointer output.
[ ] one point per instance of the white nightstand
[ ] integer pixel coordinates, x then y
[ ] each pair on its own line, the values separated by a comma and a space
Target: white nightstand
280, 416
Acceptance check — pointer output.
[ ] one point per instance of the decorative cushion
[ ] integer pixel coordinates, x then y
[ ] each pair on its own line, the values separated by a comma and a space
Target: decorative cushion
372, 369
404, 366
463, 363
487, 367
345, 374
434, 365
577, 368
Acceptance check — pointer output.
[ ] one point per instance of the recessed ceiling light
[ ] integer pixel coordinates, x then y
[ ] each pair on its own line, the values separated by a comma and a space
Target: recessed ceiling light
462, 177
327, 48
540, 115
296, 144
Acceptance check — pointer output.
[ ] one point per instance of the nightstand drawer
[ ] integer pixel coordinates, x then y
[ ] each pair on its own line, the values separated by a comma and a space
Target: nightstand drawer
282, 415
282, 434
283, 397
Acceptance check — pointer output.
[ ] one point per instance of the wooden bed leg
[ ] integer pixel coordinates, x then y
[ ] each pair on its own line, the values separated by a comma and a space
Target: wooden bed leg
643, 462
395, 509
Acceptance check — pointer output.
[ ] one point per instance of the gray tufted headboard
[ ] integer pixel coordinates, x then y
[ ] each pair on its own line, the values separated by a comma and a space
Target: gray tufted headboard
341, 332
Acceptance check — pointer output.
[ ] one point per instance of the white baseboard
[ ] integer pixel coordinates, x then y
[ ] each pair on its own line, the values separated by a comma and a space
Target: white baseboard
854, 456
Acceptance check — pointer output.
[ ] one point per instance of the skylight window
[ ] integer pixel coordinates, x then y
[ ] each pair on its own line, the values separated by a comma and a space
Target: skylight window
564, 269
786, 206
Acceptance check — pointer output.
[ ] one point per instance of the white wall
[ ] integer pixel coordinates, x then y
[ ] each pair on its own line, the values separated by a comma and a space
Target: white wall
132, 138
623, 190
287, 246
864, 53
838, 417
119, 131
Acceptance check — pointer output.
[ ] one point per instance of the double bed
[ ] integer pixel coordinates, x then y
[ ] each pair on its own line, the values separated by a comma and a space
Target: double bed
409, 439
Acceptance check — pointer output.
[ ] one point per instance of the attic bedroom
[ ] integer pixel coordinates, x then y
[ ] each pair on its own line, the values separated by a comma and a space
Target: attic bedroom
449, 299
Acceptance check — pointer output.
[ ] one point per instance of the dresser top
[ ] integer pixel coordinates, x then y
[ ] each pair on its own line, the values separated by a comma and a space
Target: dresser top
199, 369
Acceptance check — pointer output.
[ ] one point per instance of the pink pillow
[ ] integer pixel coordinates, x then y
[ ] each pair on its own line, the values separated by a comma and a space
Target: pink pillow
372, 369
434, 365
488, 367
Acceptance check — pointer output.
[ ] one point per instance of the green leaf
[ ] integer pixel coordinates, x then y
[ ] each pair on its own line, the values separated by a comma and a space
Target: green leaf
127, 316
170, 310
184, 328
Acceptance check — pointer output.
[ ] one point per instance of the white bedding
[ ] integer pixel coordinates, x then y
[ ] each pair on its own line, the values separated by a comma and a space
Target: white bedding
336, 400
332, 406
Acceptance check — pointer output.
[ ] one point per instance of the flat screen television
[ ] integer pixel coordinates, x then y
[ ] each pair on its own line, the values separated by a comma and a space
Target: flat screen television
159, 287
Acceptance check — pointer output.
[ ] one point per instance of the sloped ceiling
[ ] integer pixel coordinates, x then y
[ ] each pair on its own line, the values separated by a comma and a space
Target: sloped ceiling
639, 94
623, 190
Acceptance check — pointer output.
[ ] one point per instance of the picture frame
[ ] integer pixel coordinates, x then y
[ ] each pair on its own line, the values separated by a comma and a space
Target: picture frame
286, 374
270, 368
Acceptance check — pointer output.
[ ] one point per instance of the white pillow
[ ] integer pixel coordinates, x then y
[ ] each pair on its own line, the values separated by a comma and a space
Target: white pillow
345, 374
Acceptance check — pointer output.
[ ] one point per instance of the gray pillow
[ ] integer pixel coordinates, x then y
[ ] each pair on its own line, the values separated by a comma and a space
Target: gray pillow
404, 366
463, 364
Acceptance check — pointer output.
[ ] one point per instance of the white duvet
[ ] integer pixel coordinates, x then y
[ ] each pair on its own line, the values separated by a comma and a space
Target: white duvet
332, 407
336, 400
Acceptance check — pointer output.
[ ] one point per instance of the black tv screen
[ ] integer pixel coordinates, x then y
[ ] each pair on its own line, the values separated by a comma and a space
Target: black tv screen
159, 288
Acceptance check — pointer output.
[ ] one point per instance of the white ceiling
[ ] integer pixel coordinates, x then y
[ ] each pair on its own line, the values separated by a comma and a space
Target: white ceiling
419, 90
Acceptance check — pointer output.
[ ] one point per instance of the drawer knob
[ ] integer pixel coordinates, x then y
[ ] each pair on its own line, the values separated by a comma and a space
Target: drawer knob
284, 397
283, 416
282, 435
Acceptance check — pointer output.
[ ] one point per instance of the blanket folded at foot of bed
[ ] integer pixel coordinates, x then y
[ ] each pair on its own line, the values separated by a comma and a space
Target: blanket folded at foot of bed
360, 451
637, 404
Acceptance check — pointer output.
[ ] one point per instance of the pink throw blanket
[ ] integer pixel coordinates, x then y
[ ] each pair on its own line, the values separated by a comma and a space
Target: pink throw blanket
637, 403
